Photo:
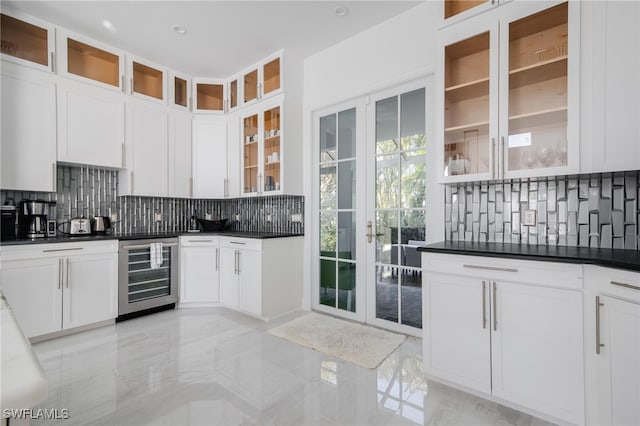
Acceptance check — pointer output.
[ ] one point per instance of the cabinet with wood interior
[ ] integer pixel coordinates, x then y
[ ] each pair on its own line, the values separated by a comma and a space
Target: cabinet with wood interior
147, 80
209, 95
91, 125
234, 93
262, 148
199, 270
57, 287
146, 150
508, 93
27, 41
90, 61
28, 144
610, 93
612, 345
251, 278
262, 80
180, 87
509, 329
180, 154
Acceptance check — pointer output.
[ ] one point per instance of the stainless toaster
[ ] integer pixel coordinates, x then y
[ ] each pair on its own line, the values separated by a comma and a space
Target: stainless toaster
80, 226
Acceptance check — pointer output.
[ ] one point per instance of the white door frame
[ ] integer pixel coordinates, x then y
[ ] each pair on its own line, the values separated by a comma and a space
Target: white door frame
423, 82
360, 105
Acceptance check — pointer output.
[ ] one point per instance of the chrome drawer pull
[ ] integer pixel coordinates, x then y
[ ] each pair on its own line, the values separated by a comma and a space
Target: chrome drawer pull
490, 268
598, 344
484, 304
495, 309
199, 241
234, 242
142, 246
625, 285
65, 249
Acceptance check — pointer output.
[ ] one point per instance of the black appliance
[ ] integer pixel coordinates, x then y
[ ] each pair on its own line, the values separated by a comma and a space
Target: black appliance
8, 224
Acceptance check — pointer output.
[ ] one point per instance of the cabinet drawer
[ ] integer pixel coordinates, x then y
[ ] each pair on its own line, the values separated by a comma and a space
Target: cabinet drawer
241, 243
559, 275
199, 240
58, 250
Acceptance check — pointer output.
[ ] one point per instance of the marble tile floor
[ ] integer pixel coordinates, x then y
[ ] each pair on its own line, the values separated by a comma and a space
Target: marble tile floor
215, 366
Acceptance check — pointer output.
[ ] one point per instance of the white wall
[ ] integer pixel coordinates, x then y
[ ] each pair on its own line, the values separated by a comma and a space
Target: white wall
394, 52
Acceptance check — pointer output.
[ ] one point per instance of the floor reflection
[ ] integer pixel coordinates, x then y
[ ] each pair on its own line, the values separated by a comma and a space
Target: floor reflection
218, 367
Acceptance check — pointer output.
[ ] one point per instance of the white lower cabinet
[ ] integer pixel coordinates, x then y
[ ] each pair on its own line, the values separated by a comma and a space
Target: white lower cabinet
199, 270
612, 346
508, 329
261, 277
54, 287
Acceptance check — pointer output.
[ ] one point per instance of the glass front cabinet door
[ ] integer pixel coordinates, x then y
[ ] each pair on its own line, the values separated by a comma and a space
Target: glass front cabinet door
262, 150
209, 96
509, 98
27, 41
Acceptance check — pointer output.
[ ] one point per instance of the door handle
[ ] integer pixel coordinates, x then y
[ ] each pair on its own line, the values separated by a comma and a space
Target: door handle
484, 304
598, 344
495, 308
370, 233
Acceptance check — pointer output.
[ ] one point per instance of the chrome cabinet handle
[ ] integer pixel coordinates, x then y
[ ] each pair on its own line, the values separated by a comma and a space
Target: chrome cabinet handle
495, 158
191, 187
64, 249
131, 181
217, 258
60, 274
124, 157
598, 344
502, 152
55, 176
53, 62
484, 304
67, 259
122, 83
625, 285
238, 251
131, 85
199, 241
490, 268
495, 309
238, 243
146, 246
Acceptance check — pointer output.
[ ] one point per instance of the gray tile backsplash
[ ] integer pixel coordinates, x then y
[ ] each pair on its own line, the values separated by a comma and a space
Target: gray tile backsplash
88, 192
600, 210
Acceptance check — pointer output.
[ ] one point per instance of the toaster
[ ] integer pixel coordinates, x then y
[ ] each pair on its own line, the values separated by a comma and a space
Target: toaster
80, 226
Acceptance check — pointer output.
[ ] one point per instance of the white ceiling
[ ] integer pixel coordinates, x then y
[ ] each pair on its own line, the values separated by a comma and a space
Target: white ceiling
223, 36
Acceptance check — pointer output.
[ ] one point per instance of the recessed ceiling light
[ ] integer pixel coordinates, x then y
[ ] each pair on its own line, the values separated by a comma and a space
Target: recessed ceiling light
108, 25
342, 11
180, 29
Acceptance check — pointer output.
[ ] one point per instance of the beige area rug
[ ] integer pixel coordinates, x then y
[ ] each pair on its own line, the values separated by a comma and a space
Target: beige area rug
362, 345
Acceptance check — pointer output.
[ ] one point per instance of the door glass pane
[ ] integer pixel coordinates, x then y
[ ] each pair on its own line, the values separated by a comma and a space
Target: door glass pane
233, 96
251, 86
388, 181
347, 184
210, 96
347, 235
466, 106
271, 154
347, 134
328, 138
538, 56
413, 225
327, 282
91, 62
147, 81
386, 240
271, 72
347, 286
387, 293
411, 293
413, 179
327, 186
24, 40
387, 125
412, 116
250, 161
328, 228
180, 91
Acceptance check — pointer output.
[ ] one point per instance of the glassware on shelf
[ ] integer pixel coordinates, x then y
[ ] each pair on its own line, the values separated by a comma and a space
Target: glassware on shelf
528, 158
561, 152
545, 155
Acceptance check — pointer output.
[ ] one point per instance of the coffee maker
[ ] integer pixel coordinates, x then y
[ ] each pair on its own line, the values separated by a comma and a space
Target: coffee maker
32, 219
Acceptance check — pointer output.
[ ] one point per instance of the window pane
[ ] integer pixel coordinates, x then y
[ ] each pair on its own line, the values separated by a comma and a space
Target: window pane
387, 293
328, 234
328, 282
411, 294
413, 226
387, 182
386, 241
413, 179
328, 138
328, 187
347, 235
347, 184
347, 134
386, 125
347, 286
412, 115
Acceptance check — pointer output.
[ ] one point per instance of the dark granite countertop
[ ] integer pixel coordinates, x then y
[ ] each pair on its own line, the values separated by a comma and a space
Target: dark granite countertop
145, 236
613, 258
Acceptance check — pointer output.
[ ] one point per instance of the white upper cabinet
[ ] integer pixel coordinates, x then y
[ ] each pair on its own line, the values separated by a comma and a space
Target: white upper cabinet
147, 80
28, 144
610, 100
90, 61
508, 93
180, 178
209, 95
262, 80
91, 128
180, 91
209, 157
27, 41
146, 149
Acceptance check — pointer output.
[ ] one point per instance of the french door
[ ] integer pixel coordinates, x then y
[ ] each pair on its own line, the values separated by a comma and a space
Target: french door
369, 208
